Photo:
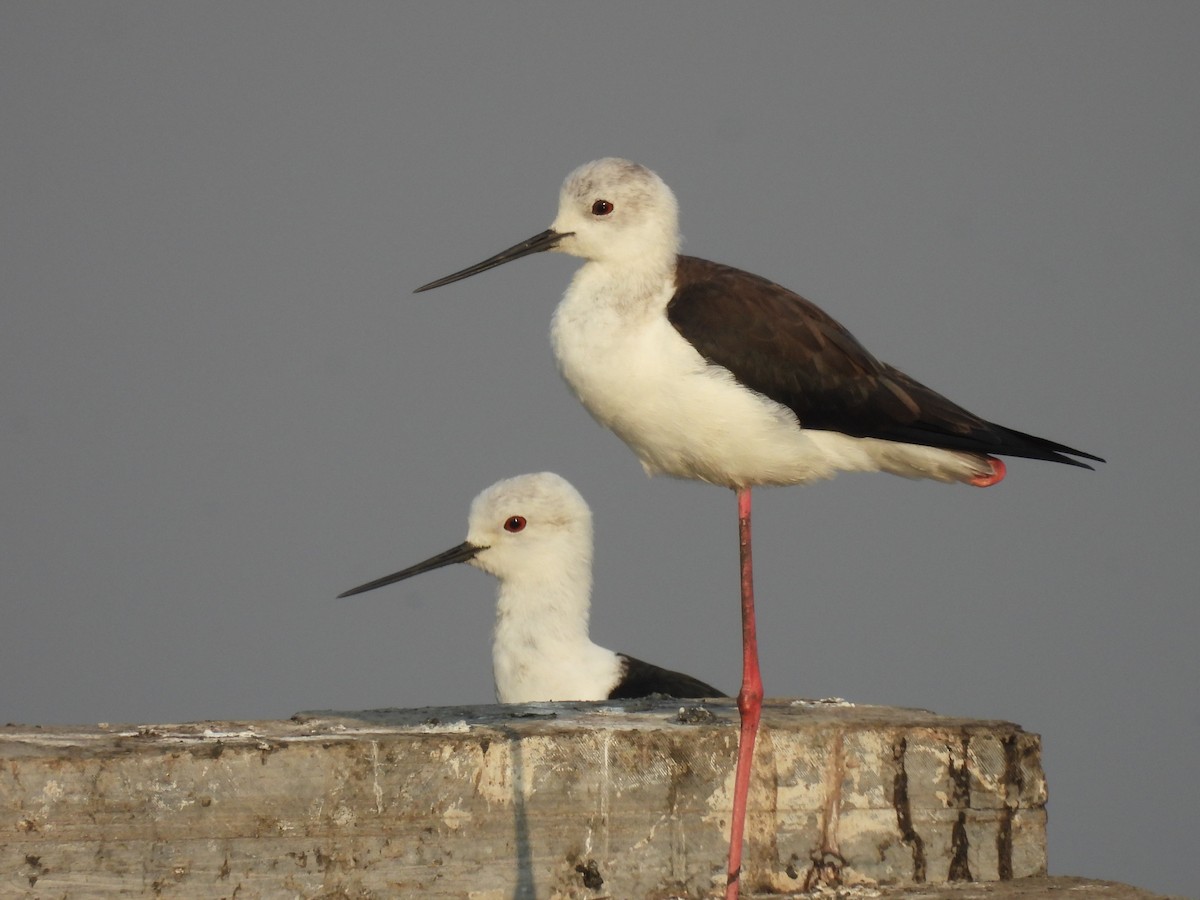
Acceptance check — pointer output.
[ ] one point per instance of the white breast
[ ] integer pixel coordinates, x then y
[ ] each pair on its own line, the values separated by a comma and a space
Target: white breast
532, 661
683, 417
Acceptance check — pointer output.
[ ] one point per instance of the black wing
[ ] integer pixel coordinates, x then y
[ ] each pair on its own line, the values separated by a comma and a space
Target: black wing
641, 679
777, 343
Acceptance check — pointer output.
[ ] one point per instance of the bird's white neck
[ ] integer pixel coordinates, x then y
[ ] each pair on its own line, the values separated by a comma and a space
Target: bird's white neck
625, 284
541, 649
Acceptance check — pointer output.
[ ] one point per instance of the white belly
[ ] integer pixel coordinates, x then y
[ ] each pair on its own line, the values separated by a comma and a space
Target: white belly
684, 417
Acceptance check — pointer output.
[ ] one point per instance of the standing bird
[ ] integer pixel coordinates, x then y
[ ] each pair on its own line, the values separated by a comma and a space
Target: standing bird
534, 533
712, 373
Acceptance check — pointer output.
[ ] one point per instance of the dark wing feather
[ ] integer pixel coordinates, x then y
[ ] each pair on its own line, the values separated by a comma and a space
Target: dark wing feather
777, 343
641, 679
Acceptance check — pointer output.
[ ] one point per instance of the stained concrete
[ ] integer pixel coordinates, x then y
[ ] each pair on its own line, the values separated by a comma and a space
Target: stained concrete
584, 800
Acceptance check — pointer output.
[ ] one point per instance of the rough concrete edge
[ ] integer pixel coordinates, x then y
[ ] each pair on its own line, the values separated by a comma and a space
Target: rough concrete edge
1058, 887
652, 712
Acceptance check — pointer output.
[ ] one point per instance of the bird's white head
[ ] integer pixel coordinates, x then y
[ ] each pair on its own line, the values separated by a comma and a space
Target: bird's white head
532, 528
533, 532
615, 210
609, 211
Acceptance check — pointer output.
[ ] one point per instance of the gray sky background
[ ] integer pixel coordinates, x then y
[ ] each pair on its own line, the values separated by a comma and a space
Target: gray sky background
222, 405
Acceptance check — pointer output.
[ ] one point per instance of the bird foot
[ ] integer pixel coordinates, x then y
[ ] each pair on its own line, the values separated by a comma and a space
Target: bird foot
998, 472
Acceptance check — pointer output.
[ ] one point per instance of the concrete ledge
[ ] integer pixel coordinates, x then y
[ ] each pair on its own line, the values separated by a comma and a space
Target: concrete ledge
1044, 888
547, 800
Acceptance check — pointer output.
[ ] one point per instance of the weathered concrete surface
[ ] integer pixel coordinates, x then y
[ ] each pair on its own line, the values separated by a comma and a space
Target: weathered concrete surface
1043, 888
545, 800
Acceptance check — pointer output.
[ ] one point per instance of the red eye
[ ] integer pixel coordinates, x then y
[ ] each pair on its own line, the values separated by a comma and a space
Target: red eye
601, 208
514, 524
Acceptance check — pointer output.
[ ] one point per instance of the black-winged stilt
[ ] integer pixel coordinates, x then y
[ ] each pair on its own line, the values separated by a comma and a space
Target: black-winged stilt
534, 533
712, 373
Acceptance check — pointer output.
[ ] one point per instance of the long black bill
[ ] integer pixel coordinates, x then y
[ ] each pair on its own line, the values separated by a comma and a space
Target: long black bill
461, 553
536, 244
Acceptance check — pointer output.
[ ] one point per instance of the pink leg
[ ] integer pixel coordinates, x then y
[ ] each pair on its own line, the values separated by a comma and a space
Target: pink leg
749, 700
